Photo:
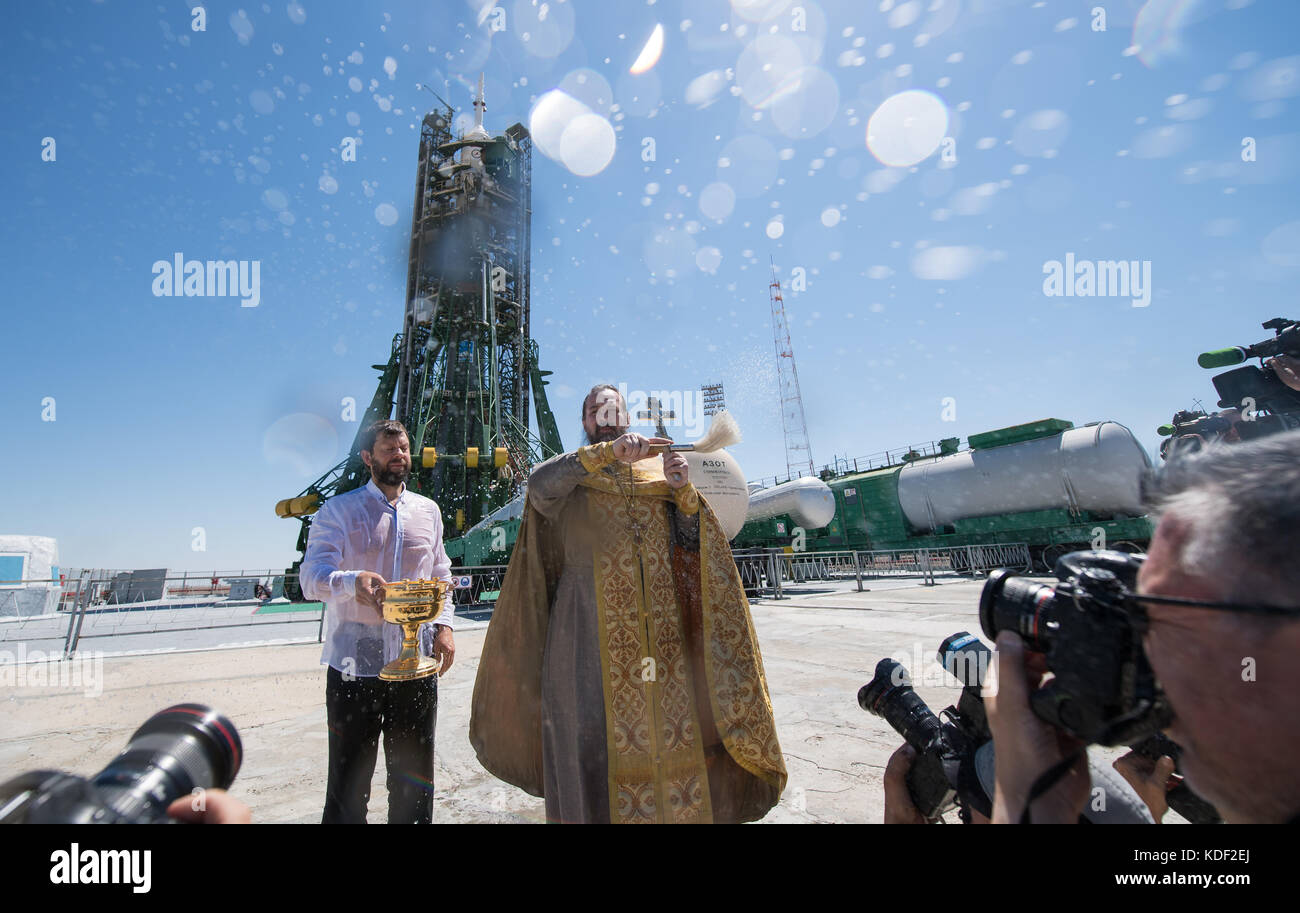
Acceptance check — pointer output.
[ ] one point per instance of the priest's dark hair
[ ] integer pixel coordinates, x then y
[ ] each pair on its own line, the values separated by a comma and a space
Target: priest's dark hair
592, 392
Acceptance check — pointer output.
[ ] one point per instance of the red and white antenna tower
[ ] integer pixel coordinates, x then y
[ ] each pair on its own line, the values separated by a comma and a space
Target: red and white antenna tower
798, 453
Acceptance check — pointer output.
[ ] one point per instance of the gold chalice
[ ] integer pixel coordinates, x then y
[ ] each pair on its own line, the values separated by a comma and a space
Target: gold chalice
410, 603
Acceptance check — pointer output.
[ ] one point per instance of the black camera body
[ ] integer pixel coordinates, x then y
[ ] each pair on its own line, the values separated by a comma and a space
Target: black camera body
1103, 689
1261, 386
943, 774
177, 751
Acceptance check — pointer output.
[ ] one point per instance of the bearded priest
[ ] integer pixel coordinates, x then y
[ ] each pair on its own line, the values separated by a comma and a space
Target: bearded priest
621, 677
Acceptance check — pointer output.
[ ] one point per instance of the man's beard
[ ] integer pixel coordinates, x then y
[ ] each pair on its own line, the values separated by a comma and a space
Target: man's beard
604, 433
389, 476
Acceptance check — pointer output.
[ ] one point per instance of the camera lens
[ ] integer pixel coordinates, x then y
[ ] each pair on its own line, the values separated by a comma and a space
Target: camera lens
1011, 604
890, 696
177, 750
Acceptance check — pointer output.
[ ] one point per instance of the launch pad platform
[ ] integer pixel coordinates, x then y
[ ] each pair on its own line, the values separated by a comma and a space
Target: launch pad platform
820, 645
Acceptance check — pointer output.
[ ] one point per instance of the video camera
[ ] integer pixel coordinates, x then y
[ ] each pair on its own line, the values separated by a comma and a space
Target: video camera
1103, 690
1189, 431
1267, 404
176, 751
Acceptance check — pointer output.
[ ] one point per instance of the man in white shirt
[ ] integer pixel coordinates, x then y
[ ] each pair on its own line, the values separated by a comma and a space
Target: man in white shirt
359, 542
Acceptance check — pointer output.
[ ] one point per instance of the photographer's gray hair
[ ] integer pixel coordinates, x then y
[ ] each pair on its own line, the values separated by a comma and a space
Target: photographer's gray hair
1242, 501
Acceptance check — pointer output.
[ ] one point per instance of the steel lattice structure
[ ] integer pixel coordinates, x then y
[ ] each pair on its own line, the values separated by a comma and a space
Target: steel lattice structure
463, 378
462, 369
798, 453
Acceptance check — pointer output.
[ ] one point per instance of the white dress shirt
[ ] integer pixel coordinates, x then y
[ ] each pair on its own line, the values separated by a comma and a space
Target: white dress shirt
361, 531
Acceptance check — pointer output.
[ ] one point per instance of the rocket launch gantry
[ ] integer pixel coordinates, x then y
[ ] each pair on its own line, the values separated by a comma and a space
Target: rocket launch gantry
464, 366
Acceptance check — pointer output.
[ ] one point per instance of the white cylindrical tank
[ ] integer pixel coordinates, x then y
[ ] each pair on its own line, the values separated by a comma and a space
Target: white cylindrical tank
719, 478
809, 502
1097, 468
34, 559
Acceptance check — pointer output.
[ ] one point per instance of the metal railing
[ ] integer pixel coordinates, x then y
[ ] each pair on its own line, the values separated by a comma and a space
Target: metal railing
192, 605
484, 578
104, 604
180, 610
980, 559
843, 465
767, 571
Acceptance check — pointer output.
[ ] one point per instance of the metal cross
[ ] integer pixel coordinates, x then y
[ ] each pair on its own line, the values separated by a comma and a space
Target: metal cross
656, 414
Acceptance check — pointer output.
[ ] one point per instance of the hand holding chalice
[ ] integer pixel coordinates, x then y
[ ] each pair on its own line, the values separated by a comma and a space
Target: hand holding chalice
411, 603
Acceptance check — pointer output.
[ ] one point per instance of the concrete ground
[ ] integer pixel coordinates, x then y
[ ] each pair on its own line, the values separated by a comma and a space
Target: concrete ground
819, 646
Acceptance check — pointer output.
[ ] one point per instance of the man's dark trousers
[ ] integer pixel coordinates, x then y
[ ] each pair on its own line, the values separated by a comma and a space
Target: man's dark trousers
357, 711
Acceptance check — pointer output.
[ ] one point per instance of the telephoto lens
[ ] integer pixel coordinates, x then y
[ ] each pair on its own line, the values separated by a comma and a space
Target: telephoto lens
177, 751
890, 695
932, 778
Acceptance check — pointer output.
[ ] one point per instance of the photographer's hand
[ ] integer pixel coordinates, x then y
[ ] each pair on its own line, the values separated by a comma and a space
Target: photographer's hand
1026, 746
1151, 780
899, 808
898, 803
1287, 369
211, 806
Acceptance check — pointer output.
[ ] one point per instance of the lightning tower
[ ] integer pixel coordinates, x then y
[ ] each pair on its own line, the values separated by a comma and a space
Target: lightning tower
798, 453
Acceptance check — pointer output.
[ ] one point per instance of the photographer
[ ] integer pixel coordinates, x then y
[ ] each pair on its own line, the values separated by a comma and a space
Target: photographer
1225, 545
1228, 535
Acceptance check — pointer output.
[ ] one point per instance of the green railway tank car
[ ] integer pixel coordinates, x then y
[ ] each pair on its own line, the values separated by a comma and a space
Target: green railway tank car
1048, 484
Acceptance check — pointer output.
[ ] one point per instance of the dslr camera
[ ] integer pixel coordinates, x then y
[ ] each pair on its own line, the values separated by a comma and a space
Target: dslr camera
1102, 691
175, 752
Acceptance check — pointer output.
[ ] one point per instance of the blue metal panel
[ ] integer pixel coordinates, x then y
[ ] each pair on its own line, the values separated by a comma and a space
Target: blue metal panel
11, 569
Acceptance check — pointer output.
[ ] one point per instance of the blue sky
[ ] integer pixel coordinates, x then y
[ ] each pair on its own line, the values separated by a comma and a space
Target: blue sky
923, 280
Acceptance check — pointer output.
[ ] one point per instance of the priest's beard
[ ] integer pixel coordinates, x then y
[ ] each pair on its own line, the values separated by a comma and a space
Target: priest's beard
604, 433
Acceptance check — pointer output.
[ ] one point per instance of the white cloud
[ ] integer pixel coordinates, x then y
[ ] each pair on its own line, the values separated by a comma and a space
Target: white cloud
941, 263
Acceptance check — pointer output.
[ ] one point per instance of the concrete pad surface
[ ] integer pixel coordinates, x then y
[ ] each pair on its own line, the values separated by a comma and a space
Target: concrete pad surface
820, 645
